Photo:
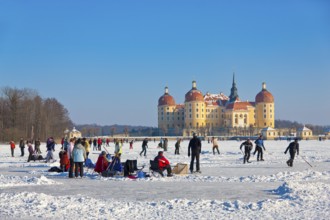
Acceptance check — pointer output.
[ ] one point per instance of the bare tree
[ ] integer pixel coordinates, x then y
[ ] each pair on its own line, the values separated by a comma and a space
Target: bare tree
24, 114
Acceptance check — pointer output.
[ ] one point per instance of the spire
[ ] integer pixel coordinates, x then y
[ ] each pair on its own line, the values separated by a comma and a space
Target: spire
264, 86
194, 85
233, 92
166, 90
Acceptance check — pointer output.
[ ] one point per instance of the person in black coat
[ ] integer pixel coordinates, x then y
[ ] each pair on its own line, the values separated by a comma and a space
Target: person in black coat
144, 147
195, 147
293, 148
247, 149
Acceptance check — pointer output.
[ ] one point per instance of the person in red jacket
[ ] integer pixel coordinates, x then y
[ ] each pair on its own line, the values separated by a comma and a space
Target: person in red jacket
12, 147
102, 163
163, 163
65, 162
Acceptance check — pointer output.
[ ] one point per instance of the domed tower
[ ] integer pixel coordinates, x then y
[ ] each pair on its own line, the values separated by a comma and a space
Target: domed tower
265, 114
166, 108
195, 108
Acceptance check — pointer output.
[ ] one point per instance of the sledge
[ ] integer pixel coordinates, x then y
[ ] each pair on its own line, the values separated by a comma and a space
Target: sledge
180, 169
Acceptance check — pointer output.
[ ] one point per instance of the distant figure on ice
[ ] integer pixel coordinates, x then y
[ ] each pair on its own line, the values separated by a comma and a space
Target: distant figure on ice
293, 148
50, 148
163, 164
70, 157
86, 145
177, 147
144, 147
22, 146
259, 145
37, 144
95, 144
31, 151
215, 145
118, 147
12, 147
131, 144
247, 150
165, 144
195, 147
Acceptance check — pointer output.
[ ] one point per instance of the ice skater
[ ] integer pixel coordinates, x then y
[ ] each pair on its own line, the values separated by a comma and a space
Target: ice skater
259, 145
293, 148
215, 145
247, 150
144, 147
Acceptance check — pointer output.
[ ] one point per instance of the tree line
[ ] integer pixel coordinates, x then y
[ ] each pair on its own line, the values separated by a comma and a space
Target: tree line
24, 114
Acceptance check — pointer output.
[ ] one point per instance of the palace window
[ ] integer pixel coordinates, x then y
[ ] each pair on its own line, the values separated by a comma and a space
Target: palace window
196, 115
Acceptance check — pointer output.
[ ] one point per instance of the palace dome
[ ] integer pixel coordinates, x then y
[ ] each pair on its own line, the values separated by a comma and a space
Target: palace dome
264, 95
166, 99
194, 94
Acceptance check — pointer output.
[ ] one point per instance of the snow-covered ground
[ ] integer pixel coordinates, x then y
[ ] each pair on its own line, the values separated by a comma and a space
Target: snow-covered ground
226, 189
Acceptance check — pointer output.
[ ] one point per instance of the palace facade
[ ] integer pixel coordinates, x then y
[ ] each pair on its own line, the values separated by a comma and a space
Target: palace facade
206, 114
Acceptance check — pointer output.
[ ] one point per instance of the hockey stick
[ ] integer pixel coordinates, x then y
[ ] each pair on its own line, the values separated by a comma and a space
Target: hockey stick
306, 161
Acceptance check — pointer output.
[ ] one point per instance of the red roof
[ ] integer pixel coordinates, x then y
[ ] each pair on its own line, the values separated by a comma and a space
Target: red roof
240, 105
264, 96
166, 99
194, 95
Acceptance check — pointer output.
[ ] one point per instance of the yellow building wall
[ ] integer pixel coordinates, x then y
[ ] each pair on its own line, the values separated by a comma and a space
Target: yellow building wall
166, 116
213, 116
195, 114
265, 115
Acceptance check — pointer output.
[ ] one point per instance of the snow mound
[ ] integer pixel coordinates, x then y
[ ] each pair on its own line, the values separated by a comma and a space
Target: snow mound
13, 181
300, 200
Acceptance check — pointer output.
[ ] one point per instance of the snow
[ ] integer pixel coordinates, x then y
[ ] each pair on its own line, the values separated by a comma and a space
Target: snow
226, 188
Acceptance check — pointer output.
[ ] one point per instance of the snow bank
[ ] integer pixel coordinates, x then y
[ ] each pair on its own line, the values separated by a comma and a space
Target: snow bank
298, 200
13, 181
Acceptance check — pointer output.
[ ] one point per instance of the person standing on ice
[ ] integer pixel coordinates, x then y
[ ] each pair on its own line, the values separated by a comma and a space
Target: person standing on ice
177, 147
165, 144
37, 144
12, 147
22, 146
195, 147
144, 147
215, 145
293, 148
259, 145
247, 150
79, 156
50, 148
70, 157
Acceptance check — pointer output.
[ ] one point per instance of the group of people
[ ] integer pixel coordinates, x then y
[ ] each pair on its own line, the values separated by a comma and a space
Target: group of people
22, 143
293, 149
75, 152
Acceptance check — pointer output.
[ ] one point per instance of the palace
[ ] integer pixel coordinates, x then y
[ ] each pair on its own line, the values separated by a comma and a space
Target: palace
211, 114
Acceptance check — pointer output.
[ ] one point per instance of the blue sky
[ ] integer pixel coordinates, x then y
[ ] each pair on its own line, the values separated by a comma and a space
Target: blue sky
108, 62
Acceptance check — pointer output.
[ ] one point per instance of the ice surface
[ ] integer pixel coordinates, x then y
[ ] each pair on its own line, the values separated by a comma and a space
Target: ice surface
226, 189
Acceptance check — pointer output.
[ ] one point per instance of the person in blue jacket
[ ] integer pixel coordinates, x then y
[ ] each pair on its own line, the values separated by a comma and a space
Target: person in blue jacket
79, 157
259, 146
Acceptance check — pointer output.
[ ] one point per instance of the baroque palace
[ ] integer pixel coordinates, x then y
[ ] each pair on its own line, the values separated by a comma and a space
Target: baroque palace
215, 114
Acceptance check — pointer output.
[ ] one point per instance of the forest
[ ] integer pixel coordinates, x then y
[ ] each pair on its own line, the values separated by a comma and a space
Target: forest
24, 114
